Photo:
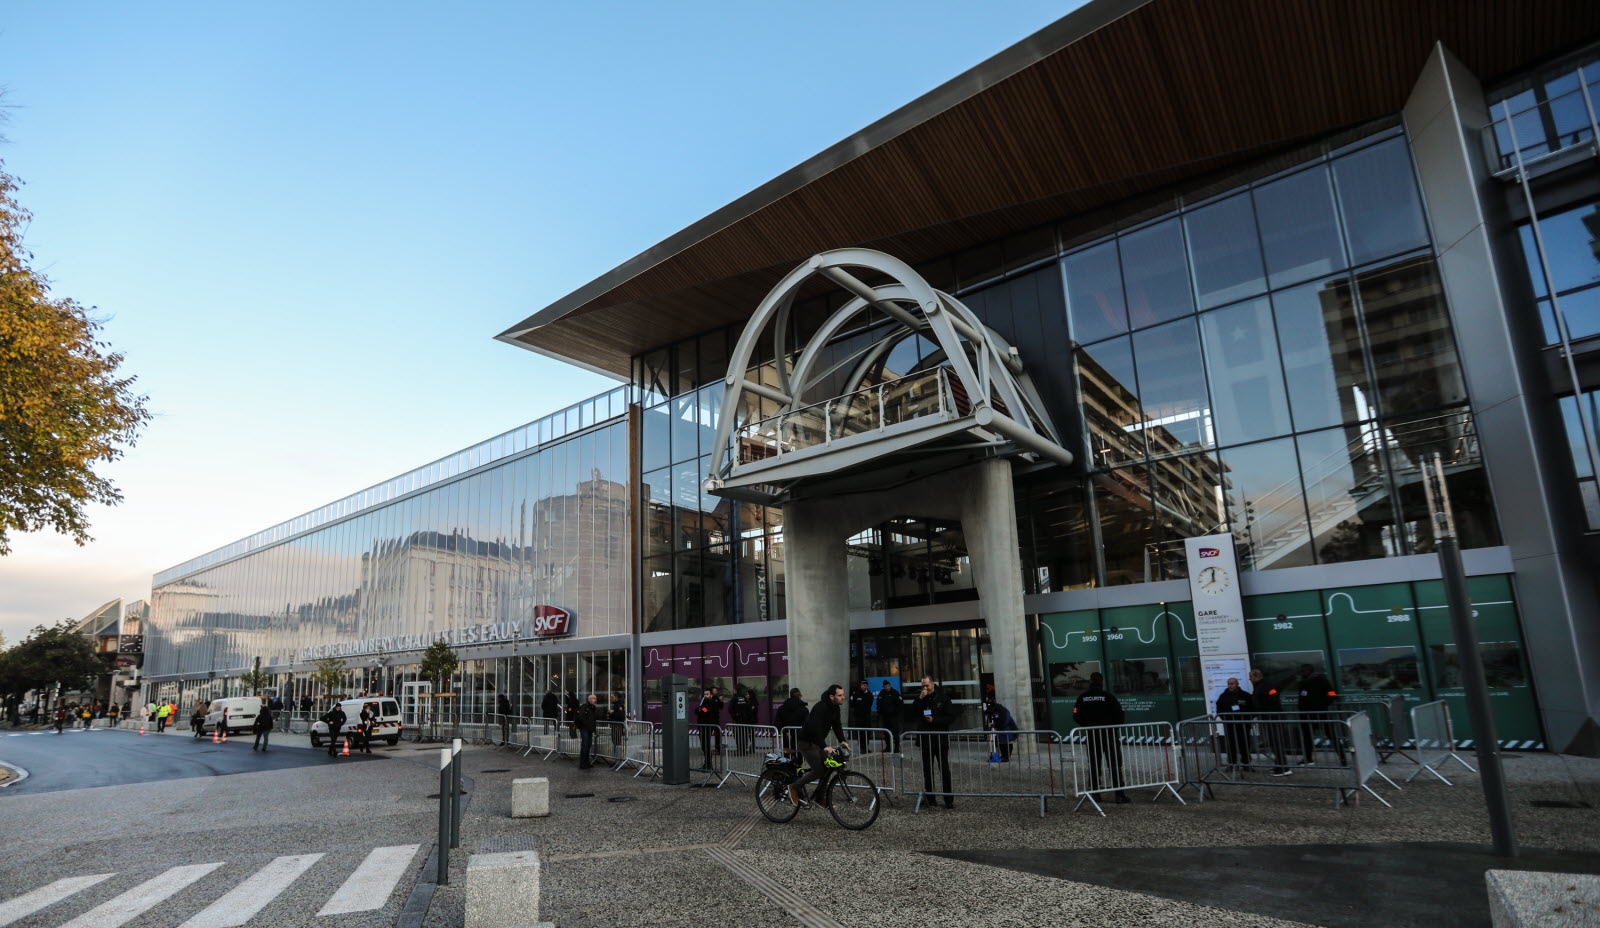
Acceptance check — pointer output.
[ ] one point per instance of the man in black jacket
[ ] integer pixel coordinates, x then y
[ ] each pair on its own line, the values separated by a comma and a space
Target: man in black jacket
263, 728
935, 713
335, 719
1316, 699
1234, 706
503, 709
824, 717
550, 708
584, 718
1096, 706
889, 706
742, 712
861, 709
708, 716
1272, 731
792, 714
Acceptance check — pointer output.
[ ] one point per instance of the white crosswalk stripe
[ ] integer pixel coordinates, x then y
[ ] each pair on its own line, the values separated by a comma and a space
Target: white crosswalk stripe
29, 903
243, 895
369, 887
242, 902
142, 898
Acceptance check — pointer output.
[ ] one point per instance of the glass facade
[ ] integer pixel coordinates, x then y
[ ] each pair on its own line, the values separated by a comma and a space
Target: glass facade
466, 557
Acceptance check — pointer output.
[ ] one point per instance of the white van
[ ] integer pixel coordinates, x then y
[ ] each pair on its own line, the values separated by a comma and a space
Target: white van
242, 712
386, 724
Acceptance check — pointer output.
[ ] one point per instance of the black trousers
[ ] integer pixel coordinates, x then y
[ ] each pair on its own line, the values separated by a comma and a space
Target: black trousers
936, 746
261, 739
710, 740
586, 746
893, 727
1310, 731
1237, 737
333, 740
1105, 752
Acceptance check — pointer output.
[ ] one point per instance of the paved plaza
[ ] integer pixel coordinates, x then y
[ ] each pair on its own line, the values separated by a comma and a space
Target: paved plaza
636, 852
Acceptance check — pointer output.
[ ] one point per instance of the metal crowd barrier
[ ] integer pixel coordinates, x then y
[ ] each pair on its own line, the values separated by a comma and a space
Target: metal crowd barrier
1435, 740
745, 750
1239, 751
1391, 725
1115, 758
641, 747
965, 763
544, 735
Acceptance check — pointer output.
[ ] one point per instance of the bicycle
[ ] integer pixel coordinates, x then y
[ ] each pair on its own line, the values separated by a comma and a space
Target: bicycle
852, 797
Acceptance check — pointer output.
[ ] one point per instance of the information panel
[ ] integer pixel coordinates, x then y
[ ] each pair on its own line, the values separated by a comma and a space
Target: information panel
1218, 612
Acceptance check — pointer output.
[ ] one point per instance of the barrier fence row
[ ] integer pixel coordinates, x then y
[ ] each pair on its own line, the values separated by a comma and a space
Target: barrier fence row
1299, 750
1116, 758
1434, 740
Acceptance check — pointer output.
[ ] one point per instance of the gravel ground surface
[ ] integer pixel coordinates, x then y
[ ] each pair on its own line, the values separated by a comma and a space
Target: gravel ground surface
687, 856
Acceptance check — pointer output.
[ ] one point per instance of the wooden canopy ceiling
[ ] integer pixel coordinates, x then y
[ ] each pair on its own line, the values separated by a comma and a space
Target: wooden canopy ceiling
1116, 99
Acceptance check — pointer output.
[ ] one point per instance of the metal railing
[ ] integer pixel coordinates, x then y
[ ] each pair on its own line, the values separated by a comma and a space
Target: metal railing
1391, 724
1225, 751
1527, 136
1116, 758
640, 747
886, 768
966, 765
745, 750
871, 409
1434, 740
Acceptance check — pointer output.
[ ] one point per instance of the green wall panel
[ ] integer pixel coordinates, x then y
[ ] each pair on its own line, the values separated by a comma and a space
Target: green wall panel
1071, 645
1138, 648
1516, 715
1377, 649
1286, 630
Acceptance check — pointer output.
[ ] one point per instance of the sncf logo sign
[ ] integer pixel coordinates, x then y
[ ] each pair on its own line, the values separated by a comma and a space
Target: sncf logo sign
551, 622
1210, 552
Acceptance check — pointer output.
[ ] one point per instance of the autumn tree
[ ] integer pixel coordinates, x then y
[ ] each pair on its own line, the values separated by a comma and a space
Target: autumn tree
64, 405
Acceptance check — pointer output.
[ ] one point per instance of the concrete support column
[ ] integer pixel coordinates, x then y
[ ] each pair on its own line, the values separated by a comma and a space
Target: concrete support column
989, 523
817, 594
1514, 412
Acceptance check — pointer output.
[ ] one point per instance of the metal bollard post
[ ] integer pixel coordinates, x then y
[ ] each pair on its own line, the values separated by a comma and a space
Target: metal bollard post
442, 877
455, 793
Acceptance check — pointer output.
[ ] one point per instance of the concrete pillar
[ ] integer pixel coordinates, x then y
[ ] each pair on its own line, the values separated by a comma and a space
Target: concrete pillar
1513, 409
817, 593
989, 523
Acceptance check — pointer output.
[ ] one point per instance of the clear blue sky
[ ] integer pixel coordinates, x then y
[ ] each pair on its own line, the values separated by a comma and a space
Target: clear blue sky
305, 222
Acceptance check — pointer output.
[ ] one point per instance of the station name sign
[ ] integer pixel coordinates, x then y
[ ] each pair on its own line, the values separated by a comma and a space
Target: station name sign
547, 622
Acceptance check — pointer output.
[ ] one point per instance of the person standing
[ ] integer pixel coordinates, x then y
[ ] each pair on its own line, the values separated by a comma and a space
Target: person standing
367, 724
889, 707
813, 738
791, 715
263, 728
585, 719
1234, 706
708, 718
742, 712
86, 716
60, 719
335, 718
1096, 706
617, 718
503, 707
112, 715
1316, 699
549, 709
160, 713
935, 713
197, 720
861, 709
1270, 724
997, 720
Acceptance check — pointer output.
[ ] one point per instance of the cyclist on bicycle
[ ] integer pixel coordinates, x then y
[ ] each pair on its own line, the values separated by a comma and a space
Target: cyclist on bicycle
812, 742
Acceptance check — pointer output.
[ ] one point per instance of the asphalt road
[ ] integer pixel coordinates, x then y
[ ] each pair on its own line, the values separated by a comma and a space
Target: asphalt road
80, 759
114, 830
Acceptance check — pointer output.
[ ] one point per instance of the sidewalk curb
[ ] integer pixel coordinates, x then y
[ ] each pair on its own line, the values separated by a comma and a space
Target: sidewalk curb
19, 774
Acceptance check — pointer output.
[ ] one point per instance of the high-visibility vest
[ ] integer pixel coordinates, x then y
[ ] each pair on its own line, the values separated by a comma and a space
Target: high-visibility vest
161, 712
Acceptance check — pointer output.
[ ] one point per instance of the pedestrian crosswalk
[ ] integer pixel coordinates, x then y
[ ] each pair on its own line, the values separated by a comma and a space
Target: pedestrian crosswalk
367, 888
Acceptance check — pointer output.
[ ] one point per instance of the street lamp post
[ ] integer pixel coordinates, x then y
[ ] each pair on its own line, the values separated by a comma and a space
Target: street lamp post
1473, 680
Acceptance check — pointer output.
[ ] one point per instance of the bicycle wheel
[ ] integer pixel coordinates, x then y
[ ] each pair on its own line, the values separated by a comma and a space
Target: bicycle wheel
853, 799
772, 797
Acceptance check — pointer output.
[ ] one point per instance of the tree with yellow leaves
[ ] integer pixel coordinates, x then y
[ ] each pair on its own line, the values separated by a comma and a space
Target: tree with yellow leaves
64, 406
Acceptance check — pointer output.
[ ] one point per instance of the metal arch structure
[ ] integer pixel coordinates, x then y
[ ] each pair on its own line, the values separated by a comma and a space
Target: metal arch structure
986, 404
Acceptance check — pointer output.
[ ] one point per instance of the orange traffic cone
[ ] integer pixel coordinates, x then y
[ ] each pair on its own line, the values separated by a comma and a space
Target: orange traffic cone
224, 735
141, 728
346, 751
216, 736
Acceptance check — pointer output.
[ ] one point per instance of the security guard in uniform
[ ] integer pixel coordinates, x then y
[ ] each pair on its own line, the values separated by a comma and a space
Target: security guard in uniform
335, 719
1273, 733
1316, 699
1096, 706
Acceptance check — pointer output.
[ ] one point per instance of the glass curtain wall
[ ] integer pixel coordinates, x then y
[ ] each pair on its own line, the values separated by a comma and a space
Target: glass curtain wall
1273, 359
548, 527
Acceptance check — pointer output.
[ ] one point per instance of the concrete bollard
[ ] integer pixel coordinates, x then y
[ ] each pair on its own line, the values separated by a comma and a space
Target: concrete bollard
1524, 899
530, 797
503, 890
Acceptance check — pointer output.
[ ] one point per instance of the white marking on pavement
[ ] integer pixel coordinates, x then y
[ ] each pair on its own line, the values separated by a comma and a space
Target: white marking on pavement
242, 902
142, 898
17, 776
29, 903
369, 887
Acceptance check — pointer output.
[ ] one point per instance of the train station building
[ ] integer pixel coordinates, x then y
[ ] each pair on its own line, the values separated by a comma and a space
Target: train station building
949, 397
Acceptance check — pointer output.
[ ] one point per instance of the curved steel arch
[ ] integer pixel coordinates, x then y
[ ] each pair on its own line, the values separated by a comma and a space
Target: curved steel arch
1002, 397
